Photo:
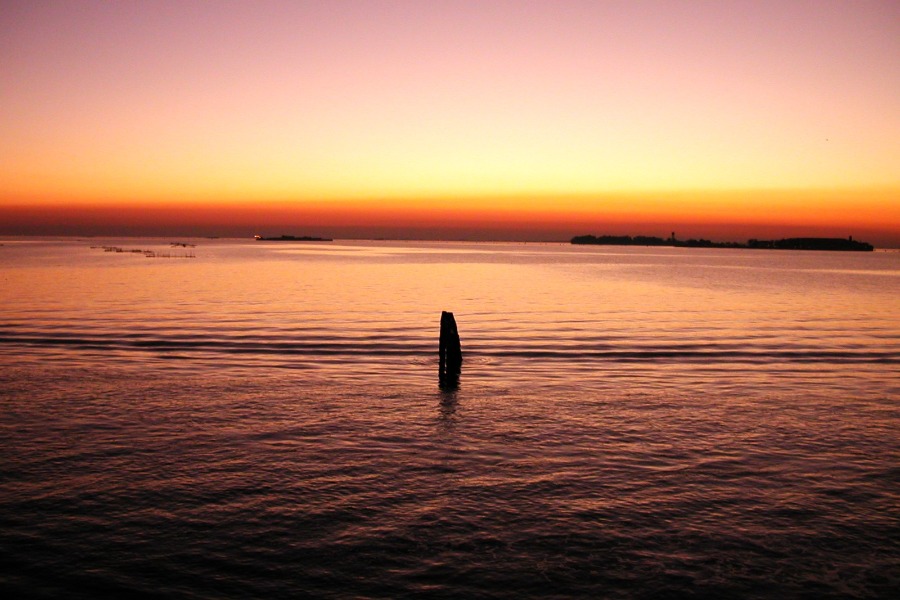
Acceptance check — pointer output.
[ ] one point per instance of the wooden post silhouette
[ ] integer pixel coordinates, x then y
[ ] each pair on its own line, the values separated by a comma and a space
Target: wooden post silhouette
449, 351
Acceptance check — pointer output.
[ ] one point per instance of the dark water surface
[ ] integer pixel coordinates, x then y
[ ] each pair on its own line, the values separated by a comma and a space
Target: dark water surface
264, 421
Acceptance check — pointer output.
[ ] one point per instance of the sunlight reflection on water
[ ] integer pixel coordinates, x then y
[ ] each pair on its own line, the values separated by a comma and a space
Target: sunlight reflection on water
266, 421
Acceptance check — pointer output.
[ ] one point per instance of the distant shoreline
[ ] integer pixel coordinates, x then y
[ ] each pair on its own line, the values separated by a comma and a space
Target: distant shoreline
291, 238
807, 243
636, 240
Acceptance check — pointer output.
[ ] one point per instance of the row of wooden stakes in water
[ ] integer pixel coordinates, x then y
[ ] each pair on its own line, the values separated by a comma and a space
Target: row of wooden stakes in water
147, 253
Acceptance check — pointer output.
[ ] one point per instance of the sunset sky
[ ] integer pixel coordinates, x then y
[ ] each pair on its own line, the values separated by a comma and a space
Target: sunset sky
473, 120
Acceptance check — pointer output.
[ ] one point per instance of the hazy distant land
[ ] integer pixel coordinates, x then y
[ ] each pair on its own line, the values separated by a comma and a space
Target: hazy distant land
292, 238
807, 243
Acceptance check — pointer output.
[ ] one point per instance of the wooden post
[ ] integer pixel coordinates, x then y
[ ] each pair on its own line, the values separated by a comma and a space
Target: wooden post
449, 351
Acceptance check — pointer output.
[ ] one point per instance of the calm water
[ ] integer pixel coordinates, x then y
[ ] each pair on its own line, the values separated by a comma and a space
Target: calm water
264, 420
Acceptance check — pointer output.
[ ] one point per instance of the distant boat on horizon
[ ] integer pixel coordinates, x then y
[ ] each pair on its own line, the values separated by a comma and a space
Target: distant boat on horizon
291, 238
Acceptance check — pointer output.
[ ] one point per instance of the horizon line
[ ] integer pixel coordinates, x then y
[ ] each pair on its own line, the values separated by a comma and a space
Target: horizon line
443, 240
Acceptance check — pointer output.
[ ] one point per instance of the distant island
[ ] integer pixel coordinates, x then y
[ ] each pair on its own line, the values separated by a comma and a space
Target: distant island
834, 244
291, 238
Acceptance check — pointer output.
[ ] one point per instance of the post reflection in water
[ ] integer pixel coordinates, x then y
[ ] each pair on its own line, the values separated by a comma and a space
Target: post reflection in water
447, 406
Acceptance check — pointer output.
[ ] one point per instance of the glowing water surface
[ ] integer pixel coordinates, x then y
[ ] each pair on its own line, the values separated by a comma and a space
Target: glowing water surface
264, 420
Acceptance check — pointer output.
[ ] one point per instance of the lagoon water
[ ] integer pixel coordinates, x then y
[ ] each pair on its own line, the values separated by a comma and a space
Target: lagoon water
264, 420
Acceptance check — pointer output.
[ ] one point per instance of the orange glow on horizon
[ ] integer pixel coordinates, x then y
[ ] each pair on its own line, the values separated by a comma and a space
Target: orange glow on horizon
498, 116
720, 215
